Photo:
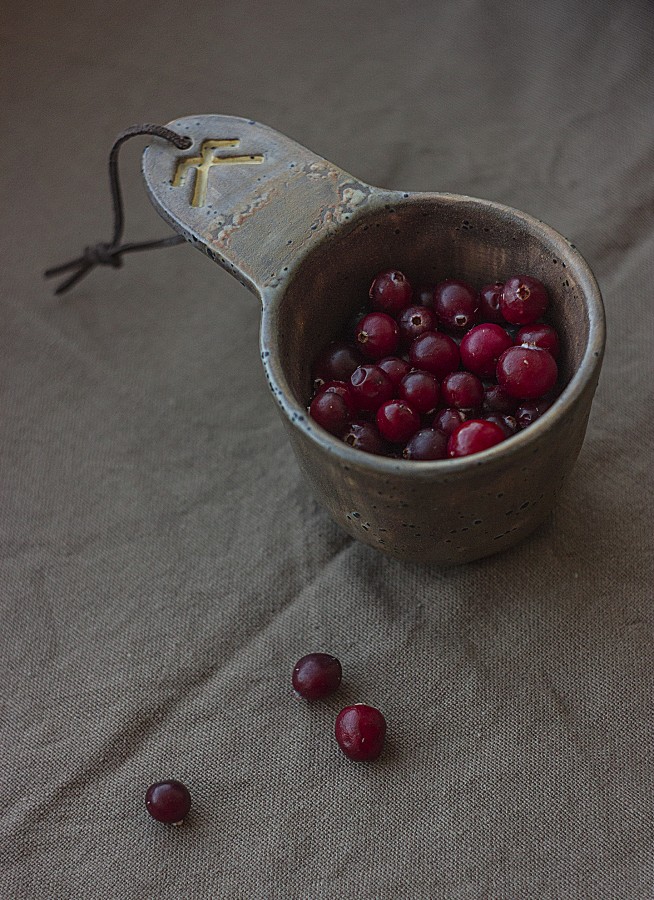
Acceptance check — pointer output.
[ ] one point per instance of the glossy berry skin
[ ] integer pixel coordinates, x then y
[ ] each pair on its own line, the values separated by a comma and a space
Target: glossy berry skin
527, 413
395, 367
448, 419
426, 444
436, 353
371, 387
414, 321
455, 304
390, 292
524, 299
365, 436
317, 675
489, 303
360, 732
507, 423
496, 401
168, 801
397, 421
474, 436
526, 374
330, 411
462, 390
377, 335
481, 347
423, 295
336, 363
421, 391
540, 337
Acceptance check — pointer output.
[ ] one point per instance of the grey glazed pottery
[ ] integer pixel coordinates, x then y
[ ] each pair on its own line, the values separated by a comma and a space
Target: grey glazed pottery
307, 239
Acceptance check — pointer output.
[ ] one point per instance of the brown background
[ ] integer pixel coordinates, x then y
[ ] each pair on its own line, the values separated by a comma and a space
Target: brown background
162, 563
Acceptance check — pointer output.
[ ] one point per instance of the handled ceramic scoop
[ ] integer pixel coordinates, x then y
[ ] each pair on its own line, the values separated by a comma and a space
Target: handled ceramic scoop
307, 239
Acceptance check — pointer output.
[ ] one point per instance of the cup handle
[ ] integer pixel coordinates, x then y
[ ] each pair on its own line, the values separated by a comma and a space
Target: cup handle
250, 198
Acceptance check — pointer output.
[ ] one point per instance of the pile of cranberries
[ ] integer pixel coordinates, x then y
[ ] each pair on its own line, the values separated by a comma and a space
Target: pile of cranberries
438, 371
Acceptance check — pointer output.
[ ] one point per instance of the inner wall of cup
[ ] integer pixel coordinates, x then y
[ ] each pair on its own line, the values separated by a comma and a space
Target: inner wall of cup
429, 239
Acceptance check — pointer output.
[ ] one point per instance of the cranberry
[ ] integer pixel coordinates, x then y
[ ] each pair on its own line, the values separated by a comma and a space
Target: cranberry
364, 436
390, 291
436, 353
448, 419
316, 676
540, 337
336, 363
414, 321
489, 303
343, 388
507, 423
360, 731
168, 801
428, 443
421, 390
371, 387
395, 367
424, 295
525, 373
482, 346
527, 413
474, 436
377, 335
455, 304
524, 299
462, 390
331, 411
397, 421
496, 401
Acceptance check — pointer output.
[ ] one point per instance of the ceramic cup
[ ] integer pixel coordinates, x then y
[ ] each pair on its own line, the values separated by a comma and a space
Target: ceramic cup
307, 239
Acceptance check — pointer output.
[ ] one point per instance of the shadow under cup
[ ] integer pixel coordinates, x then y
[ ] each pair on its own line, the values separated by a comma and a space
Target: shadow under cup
447, 511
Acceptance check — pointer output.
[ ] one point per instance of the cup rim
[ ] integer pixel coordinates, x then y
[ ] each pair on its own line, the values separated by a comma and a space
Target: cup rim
588, 369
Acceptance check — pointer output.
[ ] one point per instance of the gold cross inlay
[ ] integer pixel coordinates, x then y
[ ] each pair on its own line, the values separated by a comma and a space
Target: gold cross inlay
203, 163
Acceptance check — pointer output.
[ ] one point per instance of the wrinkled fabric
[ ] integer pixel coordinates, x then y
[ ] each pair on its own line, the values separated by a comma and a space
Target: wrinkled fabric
163, 565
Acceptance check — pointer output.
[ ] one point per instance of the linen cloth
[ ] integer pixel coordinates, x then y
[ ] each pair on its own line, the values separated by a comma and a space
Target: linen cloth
162, 563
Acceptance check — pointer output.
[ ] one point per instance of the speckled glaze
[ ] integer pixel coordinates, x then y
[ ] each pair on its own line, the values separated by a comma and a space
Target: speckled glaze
308, 238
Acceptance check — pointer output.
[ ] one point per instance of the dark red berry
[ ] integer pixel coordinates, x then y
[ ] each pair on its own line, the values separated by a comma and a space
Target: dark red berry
540, 337
462, 390
360, 731
436, 353
371, 387
455, 304
331, 411
365, 436
507, 423
496, 401
168, 801
428, 443
527, 413
474, 436
395, 367
397, 421
414, 321
390, 291
525, 373
421, 390
316, 675
377, 335
524, 299
424, 295
482, 346
489, 303
448, 419
336, 363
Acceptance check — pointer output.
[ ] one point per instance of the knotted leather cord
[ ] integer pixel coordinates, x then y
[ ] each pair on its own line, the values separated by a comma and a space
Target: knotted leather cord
110, 254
